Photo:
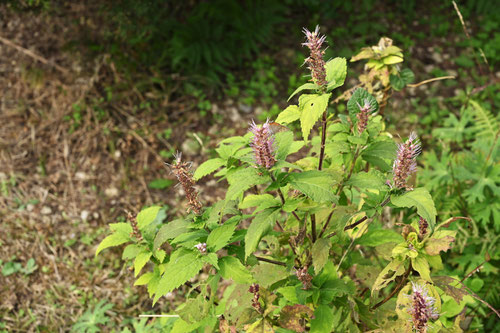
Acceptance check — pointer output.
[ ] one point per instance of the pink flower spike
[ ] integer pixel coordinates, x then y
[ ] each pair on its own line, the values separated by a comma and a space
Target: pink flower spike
263, 145
405, 163
315, 61
422, 308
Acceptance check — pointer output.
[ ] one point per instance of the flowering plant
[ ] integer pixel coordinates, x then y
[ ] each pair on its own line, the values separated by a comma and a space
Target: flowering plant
305, 228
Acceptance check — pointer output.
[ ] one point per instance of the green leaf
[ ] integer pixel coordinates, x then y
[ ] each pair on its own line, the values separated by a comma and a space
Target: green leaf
160, 184
315, 184
380, 236
422, 200
170, 231
178, 271
305, 86
394, 269
131, 251
358, 97
336, 71
147, 216
267, 274
212, 259
285, 144
140, 260
380, 154
311, 108
261, 223
421, 265
440, 241
323, 320
364, 180
289, 115
208, 167
144, 279
242, 180
401, 80
255, 200
320, 252
220, 236
115, 239
232, 268
124, 228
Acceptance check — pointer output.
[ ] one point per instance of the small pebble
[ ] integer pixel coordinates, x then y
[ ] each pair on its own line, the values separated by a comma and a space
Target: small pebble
84, 215
111, 192
46, 210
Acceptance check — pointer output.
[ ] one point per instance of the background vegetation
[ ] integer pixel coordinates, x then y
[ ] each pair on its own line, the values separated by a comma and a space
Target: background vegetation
95, 96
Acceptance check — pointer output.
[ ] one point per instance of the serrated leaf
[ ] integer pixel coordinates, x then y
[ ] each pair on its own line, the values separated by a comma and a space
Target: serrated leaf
114, 239
289, 115
285, 144
267, 274
212, 259
358, 97
147, 216
170, 231
311, 109
177, 272
131, 251
140, 260
220, 236
232, 268
261, 223
422, 200
372, 180
254, 200
440, 241
336, 71
305, 86
122, 227
394, 269
422, 267
320, 252
144, 279
291, 317
323, 319
380, 236
242, 180
315, 184
383, 149
208, 167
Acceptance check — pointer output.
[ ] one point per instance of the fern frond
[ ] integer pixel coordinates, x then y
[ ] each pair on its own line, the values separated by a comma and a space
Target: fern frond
486, 124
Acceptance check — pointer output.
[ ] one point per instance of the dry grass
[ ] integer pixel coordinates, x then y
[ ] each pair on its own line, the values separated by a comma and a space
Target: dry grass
56, 169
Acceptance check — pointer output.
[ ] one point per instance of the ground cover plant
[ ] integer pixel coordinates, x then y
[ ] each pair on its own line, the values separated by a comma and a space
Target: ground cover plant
302, 233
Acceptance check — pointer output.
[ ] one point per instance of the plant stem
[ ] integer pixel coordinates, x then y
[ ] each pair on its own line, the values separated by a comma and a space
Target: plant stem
282, 197
271, 261
313, 228
341, 187
323, 142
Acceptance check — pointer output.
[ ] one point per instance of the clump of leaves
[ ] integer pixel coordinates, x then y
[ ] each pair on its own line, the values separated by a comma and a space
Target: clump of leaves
303, 240
92, 319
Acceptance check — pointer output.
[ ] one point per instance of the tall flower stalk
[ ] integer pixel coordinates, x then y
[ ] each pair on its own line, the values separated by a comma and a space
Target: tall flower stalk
315, 61
263, 145
181, 171
405, 163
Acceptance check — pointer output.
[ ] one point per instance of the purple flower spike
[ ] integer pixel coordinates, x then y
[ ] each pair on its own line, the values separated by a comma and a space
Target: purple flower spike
405, 163
422, 308
315, 61
262, 144
364, 114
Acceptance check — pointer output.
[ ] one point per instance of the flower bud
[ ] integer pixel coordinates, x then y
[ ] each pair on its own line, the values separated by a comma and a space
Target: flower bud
202, 247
